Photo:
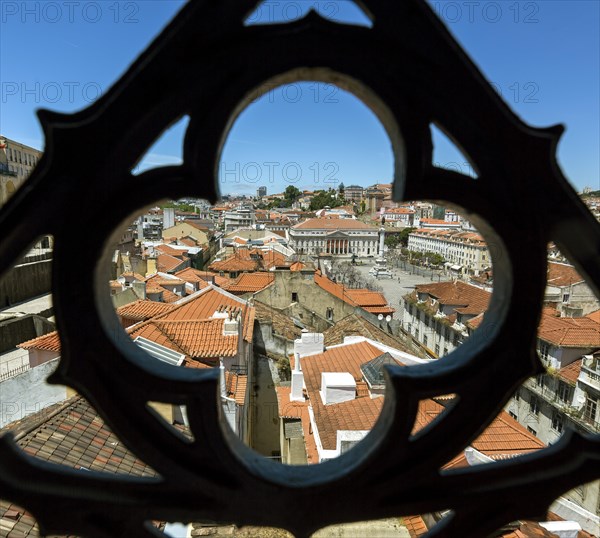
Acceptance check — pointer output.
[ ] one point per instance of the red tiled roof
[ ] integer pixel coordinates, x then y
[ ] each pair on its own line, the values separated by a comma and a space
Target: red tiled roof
371, 301
167, 263
235, 385
47, 342
199, 338
562, 274
203, 304
142, 310
167, 249
240, 261
249, 282
594, 316
571, 372
569, 332
333, 224
415, 526
467, 299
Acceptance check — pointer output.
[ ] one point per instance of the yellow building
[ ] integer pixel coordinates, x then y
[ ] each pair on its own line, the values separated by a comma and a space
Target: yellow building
16, 163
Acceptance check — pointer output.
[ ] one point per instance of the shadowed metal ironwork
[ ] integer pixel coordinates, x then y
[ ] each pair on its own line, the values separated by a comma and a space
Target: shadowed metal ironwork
206, 63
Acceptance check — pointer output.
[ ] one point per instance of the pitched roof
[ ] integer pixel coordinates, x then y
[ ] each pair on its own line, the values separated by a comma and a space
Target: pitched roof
594, 316
249, 282
47, 342
354, 325
570, 373
142, 310
281, 324
569, 332
203, 304
562, 274
235, 385
468, 299
166, 263
73, 435
237, 262
176, 252
371, 301
333, 224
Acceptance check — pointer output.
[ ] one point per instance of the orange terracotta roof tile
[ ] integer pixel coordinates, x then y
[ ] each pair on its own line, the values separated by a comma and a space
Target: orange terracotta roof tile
333, 224
200, 338
467, 299
249, 282
235, 385
238, 262
569, 332
46, 342
203, 304
562, 274
362, 298
571, 372
594, 316
167, 249
168, 263
142, 310
415, 526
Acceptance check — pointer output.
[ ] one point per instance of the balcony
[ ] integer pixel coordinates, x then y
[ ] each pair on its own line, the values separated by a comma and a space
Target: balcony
590, 372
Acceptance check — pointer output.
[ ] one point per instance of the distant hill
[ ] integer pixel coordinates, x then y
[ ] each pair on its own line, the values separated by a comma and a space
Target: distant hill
591, 194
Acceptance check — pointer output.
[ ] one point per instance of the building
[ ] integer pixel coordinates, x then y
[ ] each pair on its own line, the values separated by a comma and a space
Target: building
400, 216
567, 290
465, 252
440, 316
16, 163
261, 191
334, 237
353, 193
242, 217
568, 395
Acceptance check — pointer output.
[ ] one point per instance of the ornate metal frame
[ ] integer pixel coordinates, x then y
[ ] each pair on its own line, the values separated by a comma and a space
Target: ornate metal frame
206, 63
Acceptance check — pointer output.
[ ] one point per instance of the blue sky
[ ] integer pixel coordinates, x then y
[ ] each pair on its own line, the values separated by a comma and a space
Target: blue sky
542, 56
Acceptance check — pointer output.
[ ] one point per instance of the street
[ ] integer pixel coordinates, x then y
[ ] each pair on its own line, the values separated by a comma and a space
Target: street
403, 282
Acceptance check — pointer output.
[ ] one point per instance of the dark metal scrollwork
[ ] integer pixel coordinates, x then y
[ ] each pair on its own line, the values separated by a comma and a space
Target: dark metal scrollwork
206, 63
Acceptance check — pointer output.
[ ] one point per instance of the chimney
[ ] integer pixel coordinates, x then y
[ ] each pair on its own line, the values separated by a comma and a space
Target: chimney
309, 343
296, 394
139, 289
231, 325
222, 379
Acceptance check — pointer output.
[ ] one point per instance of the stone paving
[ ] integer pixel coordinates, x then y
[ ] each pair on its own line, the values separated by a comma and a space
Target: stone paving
403, 282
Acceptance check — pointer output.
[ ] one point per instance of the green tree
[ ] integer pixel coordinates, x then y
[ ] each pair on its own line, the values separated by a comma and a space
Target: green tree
392, 240
291, 194
341, 189
403, 236
323, 199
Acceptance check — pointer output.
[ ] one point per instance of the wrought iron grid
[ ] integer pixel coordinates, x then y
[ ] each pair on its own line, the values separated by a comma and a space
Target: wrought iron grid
409, 70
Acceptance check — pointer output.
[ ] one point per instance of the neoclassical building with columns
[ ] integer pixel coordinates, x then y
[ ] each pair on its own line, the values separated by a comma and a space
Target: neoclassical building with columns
335, 237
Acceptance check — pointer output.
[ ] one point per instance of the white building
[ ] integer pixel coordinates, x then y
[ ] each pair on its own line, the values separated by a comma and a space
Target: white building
16, 163
466, 252
337, 237
242, 217
439, 317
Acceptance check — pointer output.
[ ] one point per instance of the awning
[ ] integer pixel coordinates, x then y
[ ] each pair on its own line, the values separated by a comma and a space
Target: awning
456, 267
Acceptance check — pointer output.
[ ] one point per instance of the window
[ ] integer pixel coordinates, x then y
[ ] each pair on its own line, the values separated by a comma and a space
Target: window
517, 395
330, 314
437, 350
544, 350
557, 422
455, 340
531, 430
565, 392
566, 297
425, 341
447, 333
540, 380
294, 297
591, 406
513, 415
409, 328
445, 351
534, 405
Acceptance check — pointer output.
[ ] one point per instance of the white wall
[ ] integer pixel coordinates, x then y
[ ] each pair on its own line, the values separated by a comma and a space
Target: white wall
28, 393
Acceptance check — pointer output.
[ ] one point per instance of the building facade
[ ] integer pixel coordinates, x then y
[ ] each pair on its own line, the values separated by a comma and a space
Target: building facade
335, 237
467, 252
16, 163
